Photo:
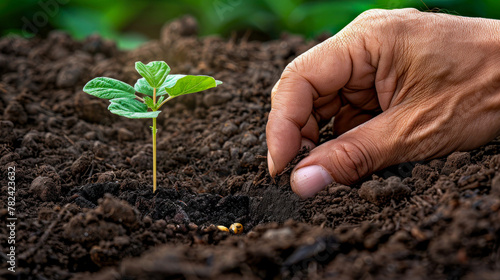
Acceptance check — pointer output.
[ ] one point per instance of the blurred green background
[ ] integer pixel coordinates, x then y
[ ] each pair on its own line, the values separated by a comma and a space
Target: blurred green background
132, 22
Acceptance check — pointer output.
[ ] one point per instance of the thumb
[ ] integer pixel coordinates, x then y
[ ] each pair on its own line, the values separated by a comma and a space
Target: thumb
348, 158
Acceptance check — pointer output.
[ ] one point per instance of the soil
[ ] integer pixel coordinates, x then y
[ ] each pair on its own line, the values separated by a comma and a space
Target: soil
84, 202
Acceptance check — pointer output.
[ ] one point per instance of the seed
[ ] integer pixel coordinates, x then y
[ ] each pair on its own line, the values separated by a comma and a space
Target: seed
236, 228
223, 228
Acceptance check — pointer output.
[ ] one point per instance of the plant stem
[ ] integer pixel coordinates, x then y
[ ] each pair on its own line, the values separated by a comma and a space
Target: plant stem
154, 155
165, 101
154, 145
140, 99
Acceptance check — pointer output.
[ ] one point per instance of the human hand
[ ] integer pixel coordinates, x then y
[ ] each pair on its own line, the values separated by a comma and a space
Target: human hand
403, 85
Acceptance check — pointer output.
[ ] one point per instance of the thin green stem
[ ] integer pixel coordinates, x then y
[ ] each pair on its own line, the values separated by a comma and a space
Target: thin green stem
165, 101
154, 145
140, 99
154, 155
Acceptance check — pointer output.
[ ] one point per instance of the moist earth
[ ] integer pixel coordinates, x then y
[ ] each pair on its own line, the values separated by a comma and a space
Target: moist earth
85, 207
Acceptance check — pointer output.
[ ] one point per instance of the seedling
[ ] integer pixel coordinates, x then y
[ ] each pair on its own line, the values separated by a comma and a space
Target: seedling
157, 87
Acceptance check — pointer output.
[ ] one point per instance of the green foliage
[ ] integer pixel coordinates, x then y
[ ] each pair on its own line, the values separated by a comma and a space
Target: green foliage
160, 101
154, 72
131, 22
155, 77
175, 85
131, 108
149, 102
143, 87
156, 82
172, 80
191, 84
109, 88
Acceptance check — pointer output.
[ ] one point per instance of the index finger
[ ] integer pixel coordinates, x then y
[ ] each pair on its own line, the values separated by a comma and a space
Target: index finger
319, 72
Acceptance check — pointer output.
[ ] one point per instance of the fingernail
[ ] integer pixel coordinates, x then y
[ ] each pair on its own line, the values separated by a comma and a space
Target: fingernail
308, 181
270, 164
306, 143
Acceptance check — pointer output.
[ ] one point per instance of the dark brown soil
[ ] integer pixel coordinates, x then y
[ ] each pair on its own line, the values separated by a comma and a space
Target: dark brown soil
85, 207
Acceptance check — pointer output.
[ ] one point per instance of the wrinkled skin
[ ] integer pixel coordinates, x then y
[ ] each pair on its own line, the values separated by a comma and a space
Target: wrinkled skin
403, 85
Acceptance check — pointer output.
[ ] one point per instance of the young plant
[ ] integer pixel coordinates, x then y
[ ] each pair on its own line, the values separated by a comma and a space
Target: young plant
157, 87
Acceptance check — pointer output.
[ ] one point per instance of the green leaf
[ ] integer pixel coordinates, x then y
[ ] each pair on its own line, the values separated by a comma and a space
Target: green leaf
109, 88
160, 100
172, 80
149, 102
191, 84
131, 108
129, 104
143, 87
154, 72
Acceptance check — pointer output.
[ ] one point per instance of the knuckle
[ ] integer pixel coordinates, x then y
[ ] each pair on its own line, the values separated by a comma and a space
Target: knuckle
295, 67
274, 91
290, 69
373, 23
307, 61
385, 27
410, 11
377, 14
305, 66
351, 161
287, 75
373, 14
385, 18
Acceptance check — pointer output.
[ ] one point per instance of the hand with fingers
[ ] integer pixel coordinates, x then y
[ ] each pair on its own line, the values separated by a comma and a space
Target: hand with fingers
401, 85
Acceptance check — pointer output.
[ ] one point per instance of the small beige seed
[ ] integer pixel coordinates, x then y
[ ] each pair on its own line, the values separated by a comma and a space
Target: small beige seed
236, 228
223, 228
